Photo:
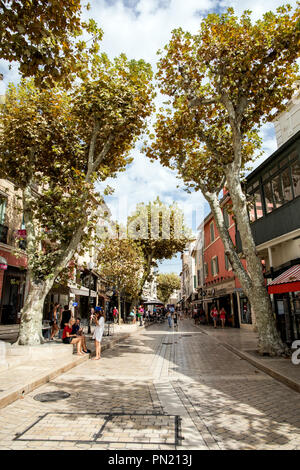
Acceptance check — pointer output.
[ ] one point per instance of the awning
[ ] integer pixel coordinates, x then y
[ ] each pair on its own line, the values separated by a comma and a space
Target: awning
84, 291
289, 281
152, 302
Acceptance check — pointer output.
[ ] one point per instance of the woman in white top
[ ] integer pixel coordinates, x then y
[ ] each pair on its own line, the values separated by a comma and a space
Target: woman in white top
98, 333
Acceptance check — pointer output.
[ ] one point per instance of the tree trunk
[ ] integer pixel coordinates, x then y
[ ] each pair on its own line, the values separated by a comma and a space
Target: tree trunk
269, 339
146, 273
30, 333
119, 307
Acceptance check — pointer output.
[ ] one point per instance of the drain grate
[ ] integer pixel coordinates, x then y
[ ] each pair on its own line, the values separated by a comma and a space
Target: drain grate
185, 336
51, 396
168, 344
105, 428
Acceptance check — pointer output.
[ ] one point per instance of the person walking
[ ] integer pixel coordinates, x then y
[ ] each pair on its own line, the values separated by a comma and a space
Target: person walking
141, 312
214, 315
223, 317
169, 316
175, 319
98, 333
115, 314
54, 321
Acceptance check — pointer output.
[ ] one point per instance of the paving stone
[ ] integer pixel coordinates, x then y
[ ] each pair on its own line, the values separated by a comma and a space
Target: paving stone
223, 402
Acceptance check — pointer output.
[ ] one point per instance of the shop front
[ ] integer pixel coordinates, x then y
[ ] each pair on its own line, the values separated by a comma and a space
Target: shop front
285, 290
222, 296
13, 292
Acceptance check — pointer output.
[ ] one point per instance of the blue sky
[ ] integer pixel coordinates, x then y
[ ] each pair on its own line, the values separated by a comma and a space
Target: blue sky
139, 28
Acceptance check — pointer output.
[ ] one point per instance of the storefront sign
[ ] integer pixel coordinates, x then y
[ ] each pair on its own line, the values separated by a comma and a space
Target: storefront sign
22, 233
3, 263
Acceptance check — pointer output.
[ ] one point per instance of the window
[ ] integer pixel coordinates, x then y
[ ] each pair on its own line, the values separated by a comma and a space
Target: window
226, 218
296, 178
256, 211
214, 266
277, 191
227, 263
258, 204
198, 277
212, 232
3, 202
205, 269
268, 197
286, 186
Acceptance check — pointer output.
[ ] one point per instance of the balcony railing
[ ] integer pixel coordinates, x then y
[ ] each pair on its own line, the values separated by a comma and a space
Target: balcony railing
3, 233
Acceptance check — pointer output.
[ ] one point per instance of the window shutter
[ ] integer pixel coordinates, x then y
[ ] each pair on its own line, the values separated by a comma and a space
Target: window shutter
212, 232
226, 218
226, 262
212, 267
217, 265
2, 210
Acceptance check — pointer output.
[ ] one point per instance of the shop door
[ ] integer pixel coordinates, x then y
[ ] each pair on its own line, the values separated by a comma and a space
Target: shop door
12, 297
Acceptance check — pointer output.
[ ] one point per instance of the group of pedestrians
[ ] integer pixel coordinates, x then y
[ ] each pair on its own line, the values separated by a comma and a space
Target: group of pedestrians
173, 317
215, 315
71, 332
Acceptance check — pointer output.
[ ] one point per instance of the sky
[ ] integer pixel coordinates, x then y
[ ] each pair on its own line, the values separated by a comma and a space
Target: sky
139, 28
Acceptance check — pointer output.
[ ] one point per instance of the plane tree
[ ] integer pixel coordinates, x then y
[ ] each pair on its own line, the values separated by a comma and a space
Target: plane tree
55, 145
223, 84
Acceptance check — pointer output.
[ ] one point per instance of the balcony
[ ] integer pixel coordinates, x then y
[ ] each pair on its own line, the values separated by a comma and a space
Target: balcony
3, 233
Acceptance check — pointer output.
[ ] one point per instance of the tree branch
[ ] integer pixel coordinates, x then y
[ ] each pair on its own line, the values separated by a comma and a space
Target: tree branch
194, 102
100, 156
92, 146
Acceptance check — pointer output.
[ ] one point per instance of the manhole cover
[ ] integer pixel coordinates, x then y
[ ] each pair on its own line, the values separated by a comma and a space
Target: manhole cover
51, 396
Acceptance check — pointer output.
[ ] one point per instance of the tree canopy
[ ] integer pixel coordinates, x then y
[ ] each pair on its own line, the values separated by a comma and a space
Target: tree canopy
160, 231
44, 37
224, 83
166, 285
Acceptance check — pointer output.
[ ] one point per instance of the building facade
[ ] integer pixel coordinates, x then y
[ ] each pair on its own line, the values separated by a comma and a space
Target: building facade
13, 260
274, 189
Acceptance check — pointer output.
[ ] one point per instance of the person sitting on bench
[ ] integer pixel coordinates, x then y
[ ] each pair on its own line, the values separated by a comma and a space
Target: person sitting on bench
69, 338
78, 331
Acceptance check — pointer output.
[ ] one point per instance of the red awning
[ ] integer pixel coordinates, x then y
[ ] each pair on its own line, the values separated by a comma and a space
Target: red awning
289, 281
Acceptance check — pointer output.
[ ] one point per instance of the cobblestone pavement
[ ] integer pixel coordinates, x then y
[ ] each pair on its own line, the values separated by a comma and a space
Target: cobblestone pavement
158, 390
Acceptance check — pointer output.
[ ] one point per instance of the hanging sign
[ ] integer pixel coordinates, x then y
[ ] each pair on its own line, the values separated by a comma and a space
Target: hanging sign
3, 263
75, 304
22, 233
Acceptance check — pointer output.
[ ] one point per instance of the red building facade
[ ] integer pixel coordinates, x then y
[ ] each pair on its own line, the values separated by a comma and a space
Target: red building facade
220, 285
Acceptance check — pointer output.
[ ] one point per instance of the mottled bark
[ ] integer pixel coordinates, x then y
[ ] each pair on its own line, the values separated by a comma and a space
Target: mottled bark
30, 333
119, 307
269, 341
